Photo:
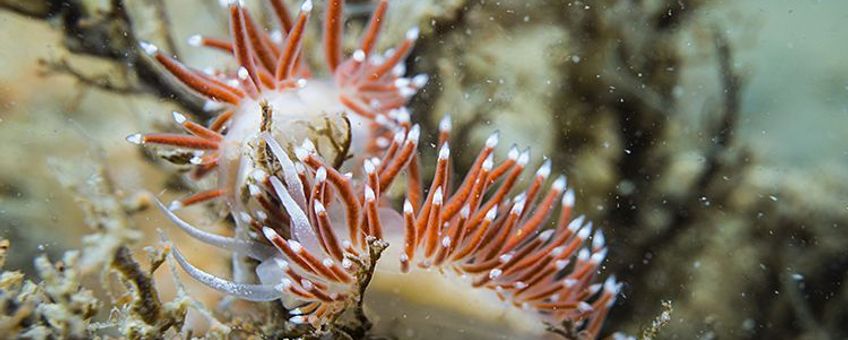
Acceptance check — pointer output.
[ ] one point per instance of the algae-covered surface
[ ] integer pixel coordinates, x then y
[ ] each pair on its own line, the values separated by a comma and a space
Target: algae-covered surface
707, 138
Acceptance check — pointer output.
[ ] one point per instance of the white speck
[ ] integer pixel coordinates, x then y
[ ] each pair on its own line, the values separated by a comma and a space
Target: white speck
437, 197
568, 198
195, 40
259, 175
403, 115
546, 235
513, 153
583, 255
444, 152
148, 48
369, 194
488, 163
584, 233
445, 124
576, 223
211, 105
407, 92
295, 246
277, 36
399, 70
490, 215
599, 256
242, 73
545, 170
178, 117
518, 208
269, 233
282, 264
135, 138
492, 141
598, 239
413, 33
369, 167
382, 142
446, 241
359, 55
413, 134
420, 80
254, 190
307, 6
175, 205
524, 158
300, 153
559, 184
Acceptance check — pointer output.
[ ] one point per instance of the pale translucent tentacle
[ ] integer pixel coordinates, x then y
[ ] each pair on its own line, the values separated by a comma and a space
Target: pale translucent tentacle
301, 228
293, 183
252, 292
242, 272
254, 250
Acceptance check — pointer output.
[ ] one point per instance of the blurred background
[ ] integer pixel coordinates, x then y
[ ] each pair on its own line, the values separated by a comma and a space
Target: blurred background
706, 137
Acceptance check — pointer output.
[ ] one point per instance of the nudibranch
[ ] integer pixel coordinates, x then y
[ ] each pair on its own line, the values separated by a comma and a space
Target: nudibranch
311, 216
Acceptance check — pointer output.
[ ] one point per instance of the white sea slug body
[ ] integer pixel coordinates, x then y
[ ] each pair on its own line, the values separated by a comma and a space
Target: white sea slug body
279, 144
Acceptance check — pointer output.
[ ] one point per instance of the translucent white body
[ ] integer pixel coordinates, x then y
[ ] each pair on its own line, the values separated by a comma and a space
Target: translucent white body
295, 112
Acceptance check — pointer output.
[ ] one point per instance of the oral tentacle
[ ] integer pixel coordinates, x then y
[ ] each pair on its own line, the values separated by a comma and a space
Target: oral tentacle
250, 292
255, 250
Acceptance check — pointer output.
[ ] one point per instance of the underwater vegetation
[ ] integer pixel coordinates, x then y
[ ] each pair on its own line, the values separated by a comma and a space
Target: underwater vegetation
316, 187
